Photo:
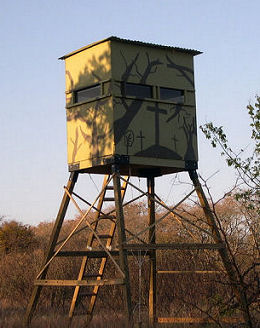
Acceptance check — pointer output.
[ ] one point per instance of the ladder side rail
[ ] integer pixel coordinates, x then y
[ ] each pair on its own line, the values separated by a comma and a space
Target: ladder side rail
104, 259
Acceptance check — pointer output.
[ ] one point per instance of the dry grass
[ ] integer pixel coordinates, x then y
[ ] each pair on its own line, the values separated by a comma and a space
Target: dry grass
178, 295
13, 318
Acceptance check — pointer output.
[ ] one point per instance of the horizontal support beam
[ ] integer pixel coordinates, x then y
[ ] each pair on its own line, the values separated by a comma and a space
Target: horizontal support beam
96, 253
188, 271
199, 320
74, 283
93, 253
188, 246
136, 248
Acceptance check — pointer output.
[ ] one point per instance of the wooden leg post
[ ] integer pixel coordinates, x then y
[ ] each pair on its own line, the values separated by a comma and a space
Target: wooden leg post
121, 241
152, 240
52, 243
233, 277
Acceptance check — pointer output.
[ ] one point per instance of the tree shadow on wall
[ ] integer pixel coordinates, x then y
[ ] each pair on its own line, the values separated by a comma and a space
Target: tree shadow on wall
95, 130
96, 127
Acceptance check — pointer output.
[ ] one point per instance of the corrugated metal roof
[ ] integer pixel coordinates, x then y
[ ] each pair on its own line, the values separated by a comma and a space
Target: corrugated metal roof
140, 43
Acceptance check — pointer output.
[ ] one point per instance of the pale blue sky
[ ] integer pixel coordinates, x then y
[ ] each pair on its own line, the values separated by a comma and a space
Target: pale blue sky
34, 33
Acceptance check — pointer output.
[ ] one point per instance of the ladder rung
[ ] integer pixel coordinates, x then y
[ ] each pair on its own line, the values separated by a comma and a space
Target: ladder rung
109, 199
104, 236
110, 188
94, 275
87, 294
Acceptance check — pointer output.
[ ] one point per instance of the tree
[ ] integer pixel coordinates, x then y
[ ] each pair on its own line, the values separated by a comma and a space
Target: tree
247, 190
248, 168
247, 195
15, 237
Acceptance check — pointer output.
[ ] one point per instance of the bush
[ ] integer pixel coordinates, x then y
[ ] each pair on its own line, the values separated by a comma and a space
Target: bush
16, 237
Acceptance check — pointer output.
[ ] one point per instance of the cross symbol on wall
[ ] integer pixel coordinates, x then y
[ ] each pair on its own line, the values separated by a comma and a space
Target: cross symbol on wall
141, 137
157, 111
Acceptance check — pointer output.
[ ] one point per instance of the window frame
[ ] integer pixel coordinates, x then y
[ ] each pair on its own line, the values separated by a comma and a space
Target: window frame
75, 93
124, 86
172, 99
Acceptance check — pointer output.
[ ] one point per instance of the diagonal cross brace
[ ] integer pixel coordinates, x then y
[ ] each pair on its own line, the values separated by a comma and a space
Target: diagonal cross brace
84, 215
95, 234
170, 210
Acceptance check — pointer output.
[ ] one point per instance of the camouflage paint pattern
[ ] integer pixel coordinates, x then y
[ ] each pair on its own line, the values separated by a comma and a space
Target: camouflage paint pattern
150, 132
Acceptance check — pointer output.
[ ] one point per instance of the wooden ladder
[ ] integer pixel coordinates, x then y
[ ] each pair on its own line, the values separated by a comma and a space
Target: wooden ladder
87, 265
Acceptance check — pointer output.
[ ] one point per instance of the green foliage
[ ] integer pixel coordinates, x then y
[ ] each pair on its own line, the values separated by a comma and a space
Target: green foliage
247, 167
16, 237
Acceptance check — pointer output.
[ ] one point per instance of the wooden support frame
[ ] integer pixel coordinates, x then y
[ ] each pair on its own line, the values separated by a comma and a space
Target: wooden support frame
125, 248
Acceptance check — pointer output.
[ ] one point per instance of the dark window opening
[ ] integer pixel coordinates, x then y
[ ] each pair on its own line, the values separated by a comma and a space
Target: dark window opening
88, 93
137, 90
172, 95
